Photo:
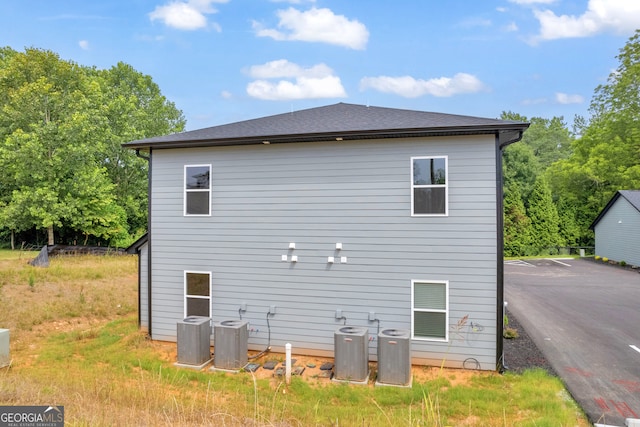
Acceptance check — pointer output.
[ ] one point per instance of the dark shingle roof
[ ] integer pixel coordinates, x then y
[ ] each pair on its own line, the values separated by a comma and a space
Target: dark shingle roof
632, 196
346, 121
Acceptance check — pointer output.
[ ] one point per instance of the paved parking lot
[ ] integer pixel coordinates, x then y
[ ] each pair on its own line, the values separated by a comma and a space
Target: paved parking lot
585, 317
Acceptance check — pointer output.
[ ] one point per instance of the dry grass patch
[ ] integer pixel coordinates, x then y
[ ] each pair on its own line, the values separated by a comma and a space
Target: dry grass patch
75, 342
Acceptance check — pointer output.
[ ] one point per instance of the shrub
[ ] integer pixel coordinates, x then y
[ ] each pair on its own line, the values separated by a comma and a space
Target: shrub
623, 263
605, 259
510, 333
597, 257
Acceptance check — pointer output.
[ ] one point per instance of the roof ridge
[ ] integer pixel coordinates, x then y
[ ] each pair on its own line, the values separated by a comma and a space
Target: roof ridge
344, 120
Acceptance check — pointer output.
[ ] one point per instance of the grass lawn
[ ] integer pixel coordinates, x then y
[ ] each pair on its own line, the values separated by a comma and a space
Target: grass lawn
75, 342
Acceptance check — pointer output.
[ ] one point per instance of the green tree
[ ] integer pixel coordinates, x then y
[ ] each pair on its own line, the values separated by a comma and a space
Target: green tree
569, 228
134, 108
550, 140
61, 126
520, 168
544, 218
49, 129
607, 156
517, 225
543, 143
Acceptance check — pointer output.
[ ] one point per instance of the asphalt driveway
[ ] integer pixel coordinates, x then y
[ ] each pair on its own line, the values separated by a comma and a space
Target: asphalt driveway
585, 317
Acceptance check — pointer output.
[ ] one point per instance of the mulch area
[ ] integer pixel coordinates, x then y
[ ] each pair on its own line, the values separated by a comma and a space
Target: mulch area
522, 353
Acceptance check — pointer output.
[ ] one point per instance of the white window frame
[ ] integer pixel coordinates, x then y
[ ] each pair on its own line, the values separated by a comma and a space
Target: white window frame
196, 190
196, 296
445, 311
445, 186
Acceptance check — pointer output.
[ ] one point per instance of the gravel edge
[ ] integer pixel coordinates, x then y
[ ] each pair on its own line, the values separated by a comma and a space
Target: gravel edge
522, 353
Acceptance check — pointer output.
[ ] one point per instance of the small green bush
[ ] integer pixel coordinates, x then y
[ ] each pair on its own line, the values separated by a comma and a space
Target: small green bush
623, 263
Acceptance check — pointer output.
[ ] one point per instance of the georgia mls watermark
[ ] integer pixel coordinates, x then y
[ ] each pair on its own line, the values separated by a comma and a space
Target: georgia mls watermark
31, 416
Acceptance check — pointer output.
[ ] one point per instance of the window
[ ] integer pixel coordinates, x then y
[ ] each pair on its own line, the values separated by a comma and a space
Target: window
429, 186
430, 310
197, 190
197, 294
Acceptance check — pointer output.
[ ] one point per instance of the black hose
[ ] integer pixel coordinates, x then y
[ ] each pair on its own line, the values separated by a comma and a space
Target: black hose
268, 349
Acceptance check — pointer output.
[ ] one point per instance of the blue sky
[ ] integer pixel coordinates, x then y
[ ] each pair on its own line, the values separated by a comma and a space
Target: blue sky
221, 61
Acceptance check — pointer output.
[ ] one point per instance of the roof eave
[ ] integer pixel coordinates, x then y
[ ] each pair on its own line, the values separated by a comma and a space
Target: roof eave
329, 136
604, 211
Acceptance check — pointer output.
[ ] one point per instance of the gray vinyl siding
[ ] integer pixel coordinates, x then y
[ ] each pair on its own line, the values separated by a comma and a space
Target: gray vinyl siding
618, 233
144, 290
357, 193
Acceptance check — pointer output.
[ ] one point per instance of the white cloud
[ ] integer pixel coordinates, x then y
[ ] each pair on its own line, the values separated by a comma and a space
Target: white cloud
84, 44
317, 81
565, 98
293, 1
535, 101
410, 87
619, 16
316, 25
226, 94
526, 2
475, 22
189, 15
149, 38
511, 27
284, 68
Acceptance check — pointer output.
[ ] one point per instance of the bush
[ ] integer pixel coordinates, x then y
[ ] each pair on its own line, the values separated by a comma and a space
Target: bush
623, 263
597, 257
510, 333
605, 259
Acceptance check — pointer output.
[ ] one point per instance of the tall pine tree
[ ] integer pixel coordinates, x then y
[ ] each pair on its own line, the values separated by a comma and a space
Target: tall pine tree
544, 219
517, 225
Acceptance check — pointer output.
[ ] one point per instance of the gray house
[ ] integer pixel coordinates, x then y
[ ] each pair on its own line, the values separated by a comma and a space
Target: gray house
344, 214
617, 228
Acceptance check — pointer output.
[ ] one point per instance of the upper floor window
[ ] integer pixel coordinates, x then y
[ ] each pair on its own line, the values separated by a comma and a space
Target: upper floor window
197, 190
429, 186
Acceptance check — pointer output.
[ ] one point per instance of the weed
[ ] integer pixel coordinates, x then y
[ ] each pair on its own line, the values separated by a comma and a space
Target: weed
32, 282
510, 333
81, 297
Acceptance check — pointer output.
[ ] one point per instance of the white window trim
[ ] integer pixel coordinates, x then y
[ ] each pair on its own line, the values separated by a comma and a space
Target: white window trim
445, 186
446, 310
184, 291
184, 188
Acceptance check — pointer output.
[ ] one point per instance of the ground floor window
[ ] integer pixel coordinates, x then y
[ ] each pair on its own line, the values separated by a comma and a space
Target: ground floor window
197, 294
430, 310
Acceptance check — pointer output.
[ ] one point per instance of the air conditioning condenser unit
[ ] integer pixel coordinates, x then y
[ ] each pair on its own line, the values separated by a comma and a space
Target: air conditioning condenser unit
351, 346
394, 357
230, 344
4, 348
194, 341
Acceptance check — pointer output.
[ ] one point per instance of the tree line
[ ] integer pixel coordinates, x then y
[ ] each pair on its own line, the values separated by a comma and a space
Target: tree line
64, 171
557, 180
66, 176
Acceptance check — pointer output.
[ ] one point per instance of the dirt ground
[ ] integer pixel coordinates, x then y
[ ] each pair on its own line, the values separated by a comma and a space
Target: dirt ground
309, 368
